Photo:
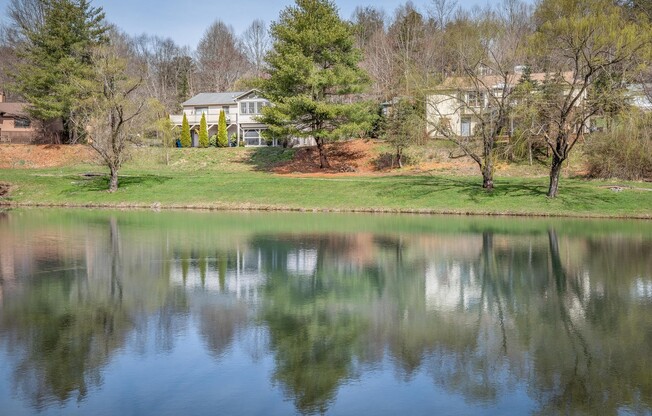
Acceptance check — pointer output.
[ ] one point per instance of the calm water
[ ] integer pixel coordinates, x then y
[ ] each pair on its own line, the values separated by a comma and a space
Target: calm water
143, 313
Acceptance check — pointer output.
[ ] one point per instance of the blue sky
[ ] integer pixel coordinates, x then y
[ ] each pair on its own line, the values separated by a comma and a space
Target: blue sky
185, 20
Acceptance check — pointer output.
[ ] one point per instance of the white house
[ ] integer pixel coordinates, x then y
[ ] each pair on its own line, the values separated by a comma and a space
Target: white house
240, 108
460, 103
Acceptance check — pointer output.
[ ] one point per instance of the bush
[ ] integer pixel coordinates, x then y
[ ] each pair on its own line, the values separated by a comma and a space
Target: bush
222, 134
186, 140
212, 141
203, 132
623, 151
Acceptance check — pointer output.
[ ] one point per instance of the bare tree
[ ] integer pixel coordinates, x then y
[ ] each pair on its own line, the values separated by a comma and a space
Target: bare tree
220, 61
379, 62
481, 93
111, 112
367, 22
596, 45
442, 11
408, 33
256, 42
24, 16
168, 70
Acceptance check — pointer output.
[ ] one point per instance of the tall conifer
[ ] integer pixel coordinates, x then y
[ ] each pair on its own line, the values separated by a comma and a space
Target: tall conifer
186, 141
313, 71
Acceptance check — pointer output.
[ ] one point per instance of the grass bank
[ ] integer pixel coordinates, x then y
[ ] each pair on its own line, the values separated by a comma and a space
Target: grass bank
239, 179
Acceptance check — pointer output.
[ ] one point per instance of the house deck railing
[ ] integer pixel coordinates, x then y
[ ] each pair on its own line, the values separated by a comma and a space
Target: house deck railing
195, 119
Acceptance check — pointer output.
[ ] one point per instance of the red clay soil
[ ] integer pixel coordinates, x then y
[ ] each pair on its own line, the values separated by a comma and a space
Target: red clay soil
351, 157
359, 157
23, 156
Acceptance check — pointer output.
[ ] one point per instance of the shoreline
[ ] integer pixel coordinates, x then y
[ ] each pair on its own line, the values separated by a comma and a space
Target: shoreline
274, 208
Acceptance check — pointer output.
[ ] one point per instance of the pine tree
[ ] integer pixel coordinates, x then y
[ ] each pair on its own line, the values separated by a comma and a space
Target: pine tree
222, 135
203, 132
404, 127
313, 67
55, 54
186, 141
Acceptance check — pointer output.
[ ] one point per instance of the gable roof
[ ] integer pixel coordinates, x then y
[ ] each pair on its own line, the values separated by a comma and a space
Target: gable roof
214, 98
246, 93
13, 109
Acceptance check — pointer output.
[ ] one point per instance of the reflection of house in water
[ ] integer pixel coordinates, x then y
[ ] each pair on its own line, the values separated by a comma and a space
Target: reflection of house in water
642, 289
242, 274
242, 278
302, 262
450, 287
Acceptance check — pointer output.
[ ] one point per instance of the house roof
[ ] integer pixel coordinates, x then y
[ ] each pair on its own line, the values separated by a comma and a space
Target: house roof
13, 109
496, 81
214, 98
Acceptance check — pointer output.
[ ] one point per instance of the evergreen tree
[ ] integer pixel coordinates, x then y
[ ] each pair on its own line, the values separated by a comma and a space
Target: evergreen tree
55, 53
222, 135
203, 132
186, 141
313, 70
404, 126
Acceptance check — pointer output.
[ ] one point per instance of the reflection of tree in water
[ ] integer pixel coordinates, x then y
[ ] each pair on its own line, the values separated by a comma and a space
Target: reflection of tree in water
313, 317
480, 313
219, 324
67, 325
533, 322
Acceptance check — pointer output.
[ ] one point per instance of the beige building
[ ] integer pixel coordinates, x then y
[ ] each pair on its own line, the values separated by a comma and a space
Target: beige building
460, 104
17, 127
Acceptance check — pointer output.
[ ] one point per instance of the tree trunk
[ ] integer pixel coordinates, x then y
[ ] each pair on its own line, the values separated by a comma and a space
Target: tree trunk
487, 180
113, 184
555, 171
323, 161
488, 174
399, 158
488, 165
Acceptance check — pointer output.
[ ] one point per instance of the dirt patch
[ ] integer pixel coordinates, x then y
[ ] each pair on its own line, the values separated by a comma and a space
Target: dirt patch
25, 156
357, 157
354, 156
4, 189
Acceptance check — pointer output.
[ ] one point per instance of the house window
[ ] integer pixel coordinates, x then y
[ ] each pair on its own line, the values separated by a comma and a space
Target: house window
22, 123
226, 109
252, 107
243, 108
475, 99
465, 129
201, 110
253, 137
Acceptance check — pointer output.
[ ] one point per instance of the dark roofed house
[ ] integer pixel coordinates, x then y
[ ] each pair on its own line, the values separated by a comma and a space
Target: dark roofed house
17, 127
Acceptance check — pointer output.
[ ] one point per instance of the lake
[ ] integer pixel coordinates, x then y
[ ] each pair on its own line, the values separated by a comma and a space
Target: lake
170, 313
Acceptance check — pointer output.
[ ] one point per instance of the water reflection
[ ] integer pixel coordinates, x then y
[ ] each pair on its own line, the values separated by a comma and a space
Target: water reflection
483, 309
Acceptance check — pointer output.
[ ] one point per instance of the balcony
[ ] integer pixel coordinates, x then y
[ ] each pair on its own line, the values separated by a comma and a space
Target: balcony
195, 119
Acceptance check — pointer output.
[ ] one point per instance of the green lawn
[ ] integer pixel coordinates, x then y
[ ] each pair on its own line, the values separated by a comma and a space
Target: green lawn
237, 178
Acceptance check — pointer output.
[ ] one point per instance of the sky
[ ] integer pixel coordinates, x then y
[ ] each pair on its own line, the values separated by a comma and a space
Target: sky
186, 20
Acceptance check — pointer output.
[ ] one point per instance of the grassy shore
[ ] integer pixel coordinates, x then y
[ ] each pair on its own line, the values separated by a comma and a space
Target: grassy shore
239, 179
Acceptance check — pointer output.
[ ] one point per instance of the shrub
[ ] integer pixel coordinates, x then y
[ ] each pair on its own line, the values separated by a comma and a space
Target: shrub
622, 151
186, 141
222, 134
212, 141
203, 132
